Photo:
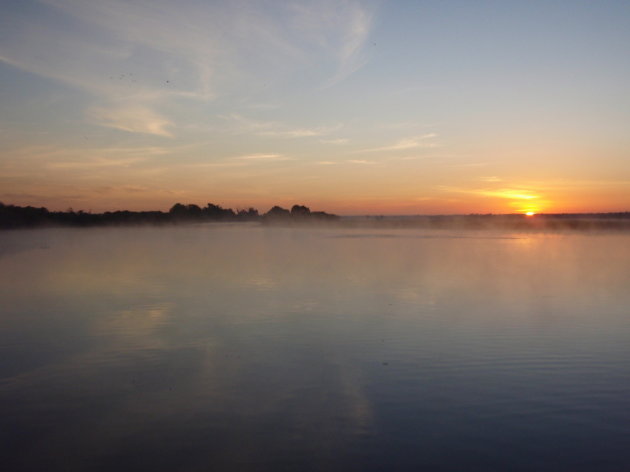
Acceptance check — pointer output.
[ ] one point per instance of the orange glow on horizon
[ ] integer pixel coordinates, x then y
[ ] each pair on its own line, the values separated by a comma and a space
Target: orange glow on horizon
456, 202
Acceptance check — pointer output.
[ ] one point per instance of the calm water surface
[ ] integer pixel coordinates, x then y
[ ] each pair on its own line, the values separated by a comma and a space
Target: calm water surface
237, 347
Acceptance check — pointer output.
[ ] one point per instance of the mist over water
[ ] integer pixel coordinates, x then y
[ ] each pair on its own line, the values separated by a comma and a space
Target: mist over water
244, 347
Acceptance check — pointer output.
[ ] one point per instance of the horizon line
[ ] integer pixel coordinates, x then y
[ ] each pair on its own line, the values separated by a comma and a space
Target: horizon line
355, 215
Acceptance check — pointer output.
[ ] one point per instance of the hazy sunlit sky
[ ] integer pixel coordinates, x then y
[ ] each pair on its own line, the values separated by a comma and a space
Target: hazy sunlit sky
381, 107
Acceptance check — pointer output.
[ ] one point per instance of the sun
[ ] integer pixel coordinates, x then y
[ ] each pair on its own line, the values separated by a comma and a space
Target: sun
530, 213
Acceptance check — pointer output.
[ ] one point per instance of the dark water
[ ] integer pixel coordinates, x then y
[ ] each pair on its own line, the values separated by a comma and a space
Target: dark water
245, 348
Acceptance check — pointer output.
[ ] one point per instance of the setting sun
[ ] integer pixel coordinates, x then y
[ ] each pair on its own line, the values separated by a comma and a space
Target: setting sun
255, 104
323, 234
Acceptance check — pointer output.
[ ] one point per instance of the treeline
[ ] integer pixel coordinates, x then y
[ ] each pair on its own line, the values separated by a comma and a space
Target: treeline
13, 216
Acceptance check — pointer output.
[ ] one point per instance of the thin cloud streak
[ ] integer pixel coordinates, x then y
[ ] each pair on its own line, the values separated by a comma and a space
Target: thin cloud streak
220, 164
199, 52
244, 125
360, 161
49, 153
511, 194
505, 193
337, 141
133, 119
407, 143
351, 57
265, 157
95, 163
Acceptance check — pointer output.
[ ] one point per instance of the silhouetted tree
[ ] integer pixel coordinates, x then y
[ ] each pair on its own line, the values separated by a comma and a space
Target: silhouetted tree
193, 210
321, 215
12, 216
278, 212
215, 212
178, 210
300, 211
249, 214
185, 212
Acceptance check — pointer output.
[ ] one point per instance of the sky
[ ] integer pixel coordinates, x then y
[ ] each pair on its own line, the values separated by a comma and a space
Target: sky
351, 107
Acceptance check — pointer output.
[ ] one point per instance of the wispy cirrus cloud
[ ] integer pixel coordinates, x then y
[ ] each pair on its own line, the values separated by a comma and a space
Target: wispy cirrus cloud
134, 59
336, 141
43, 154
136, 118
239, 161
243, 125
357, 22
59, 162
96, 162
264, 157
422, 141
293, 133
213, 164
510, 193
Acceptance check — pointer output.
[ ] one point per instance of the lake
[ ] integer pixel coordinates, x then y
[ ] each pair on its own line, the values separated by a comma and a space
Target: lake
244, 347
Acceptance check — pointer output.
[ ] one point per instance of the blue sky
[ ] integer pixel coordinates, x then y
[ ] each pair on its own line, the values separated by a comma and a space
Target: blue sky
348, 106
